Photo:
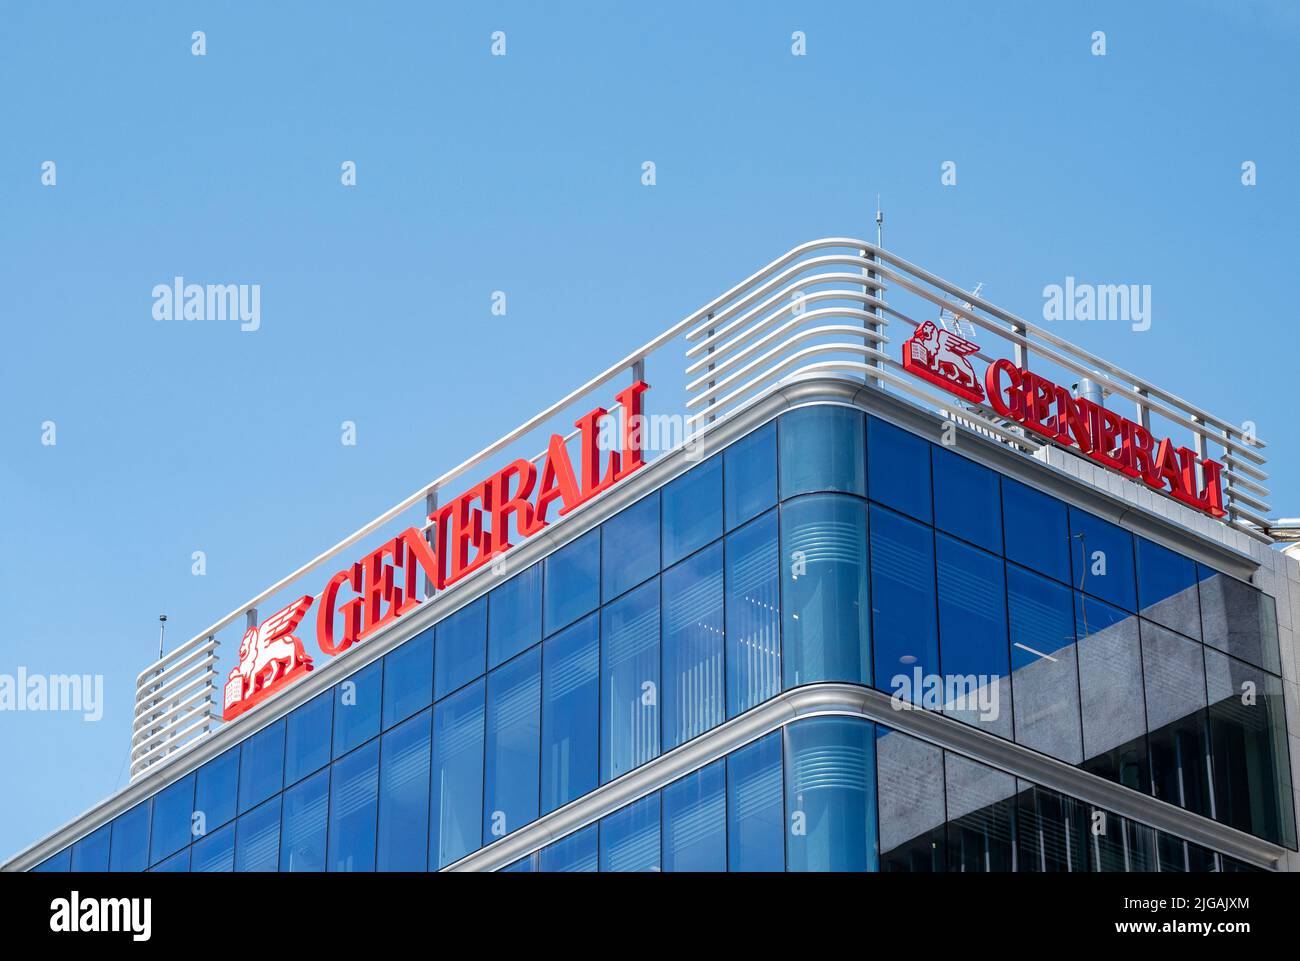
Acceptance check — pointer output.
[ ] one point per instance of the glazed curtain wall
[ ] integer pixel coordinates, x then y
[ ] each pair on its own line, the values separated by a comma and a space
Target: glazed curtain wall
844, 794
825, 546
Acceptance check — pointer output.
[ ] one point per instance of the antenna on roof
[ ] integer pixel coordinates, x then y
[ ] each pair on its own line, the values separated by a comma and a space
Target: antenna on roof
960, 325
162, 629
880, 224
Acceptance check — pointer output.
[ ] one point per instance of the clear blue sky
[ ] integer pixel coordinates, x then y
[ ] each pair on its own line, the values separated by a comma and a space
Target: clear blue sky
477, 173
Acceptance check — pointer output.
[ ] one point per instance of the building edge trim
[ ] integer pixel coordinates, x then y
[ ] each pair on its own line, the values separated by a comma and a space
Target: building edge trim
834, 699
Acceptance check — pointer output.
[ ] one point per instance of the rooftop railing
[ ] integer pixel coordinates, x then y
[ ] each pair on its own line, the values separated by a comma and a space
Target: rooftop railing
837, 306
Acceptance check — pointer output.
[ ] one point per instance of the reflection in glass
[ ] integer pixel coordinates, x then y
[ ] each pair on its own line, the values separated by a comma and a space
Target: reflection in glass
257, 838
981, 816
695, 821
753, 615
749, 466
830, 795
571, 583
578, 852
629, 838
630, 547
514, 722
515, 616
692, 511
1166, 586
456, 805
1239, 620
973, 648
912, 815
1051, 832
904, 632
1102, 559
305, 824
1035, 530
822, 449
460, 653
755, 835
570, 713
824, 590
403, 829
693, 642
1176, 719
1045, 678
1110, 684
354, 790
1252, 775
629, 721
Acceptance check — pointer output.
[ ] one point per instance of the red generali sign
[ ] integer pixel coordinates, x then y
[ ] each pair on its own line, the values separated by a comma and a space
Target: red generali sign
465, 534
1051, 411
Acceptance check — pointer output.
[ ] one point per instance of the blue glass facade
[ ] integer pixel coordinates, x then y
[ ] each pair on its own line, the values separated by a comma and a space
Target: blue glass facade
825, 546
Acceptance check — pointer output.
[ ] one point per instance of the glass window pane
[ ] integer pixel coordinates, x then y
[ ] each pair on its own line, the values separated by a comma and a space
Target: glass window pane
456, 811
461, 649
572, 582
304, 824
172, 809
580, 851
755, 815
1103, 560
1177, 855
824, 590
1252, 774
216, 852
525, 865
570, 713
1167, 589
357, 702
1118, 845
898, 469
91, 852
1035, 529
408, 678
130, 842
630, 547
912, 816
822, 449
973, 635
307, 737
514, 721
1045, 678
261, 768
176, 864
693, 644
354, 789
1239, 620
695, 821
629, 720
216, 790
257, 838
753, 611
1052, 831
830, 795
981, 816
904, 632
749, 466
1110, 685
55, 863
629, 838
967, 501
403, 831
515, 616
692, 511
1174, 672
